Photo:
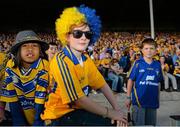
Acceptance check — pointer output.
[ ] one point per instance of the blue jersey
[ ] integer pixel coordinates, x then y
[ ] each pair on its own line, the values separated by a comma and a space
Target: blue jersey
145, 92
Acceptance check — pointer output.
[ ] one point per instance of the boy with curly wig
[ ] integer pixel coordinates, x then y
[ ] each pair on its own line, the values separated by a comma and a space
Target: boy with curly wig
73, 74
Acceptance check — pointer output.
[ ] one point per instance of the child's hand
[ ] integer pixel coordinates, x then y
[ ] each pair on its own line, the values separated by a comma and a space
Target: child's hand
128, 104
118, 117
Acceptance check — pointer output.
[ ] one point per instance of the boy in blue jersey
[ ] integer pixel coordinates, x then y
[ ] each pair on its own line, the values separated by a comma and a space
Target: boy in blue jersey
26, 80
144, 78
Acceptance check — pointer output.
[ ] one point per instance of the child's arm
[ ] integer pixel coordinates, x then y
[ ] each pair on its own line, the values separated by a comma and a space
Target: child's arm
91, 106
128, 95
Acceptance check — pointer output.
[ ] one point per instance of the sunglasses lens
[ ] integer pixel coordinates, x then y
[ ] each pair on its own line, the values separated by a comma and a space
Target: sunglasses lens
88, 34
78, 34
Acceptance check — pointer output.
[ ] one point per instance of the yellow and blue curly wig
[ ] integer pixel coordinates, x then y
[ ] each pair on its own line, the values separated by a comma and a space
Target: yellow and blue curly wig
76, 16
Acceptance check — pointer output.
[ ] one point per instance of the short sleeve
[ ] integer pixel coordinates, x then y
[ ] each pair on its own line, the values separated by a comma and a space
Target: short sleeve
133, 71
96, 80
42, 83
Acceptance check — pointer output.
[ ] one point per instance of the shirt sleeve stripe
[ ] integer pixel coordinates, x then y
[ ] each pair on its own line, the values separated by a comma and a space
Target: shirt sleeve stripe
71, 85
8, 80
61, 72
8, 93
136, 96
40, 94
42, 82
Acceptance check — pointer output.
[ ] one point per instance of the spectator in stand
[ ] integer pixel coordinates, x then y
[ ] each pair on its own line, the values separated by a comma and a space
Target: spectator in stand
167, 75
168, 60
96, 60
102, 54
114, 74
177, 70
175, 57
53, 49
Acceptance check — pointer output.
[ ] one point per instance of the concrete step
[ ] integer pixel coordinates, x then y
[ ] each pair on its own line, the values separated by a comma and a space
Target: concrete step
169, 105
164, 96
169, 96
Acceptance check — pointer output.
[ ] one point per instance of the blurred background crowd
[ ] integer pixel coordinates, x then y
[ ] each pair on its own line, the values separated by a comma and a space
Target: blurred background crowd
115, 52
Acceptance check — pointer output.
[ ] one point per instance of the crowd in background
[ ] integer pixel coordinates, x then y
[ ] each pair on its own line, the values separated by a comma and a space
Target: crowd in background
115, 52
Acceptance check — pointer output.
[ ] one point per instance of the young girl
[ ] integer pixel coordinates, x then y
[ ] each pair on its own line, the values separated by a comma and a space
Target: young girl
73, 73
26, 80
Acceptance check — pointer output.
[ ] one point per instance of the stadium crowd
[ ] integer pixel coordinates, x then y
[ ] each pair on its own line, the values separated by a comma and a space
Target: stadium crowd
115, 52
114, 55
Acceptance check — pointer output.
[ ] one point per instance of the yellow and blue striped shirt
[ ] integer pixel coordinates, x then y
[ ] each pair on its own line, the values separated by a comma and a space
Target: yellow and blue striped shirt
27, 88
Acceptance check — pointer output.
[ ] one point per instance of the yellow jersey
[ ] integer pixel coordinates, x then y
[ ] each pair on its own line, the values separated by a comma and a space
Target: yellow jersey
71, 82
28, 89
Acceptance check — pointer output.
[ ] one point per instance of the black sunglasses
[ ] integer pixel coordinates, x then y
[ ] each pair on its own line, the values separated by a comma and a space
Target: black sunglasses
78, 34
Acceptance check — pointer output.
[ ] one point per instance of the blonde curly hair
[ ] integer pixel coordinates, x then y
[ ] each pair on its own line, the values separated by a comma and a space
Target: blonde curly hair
69, 17
75, 16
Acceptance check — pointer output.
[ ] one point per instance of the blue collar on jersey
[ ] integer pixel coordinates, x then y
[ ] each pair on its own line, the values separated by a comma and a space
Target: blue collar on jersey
67, 51
33, 66
142, 59
36, 63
